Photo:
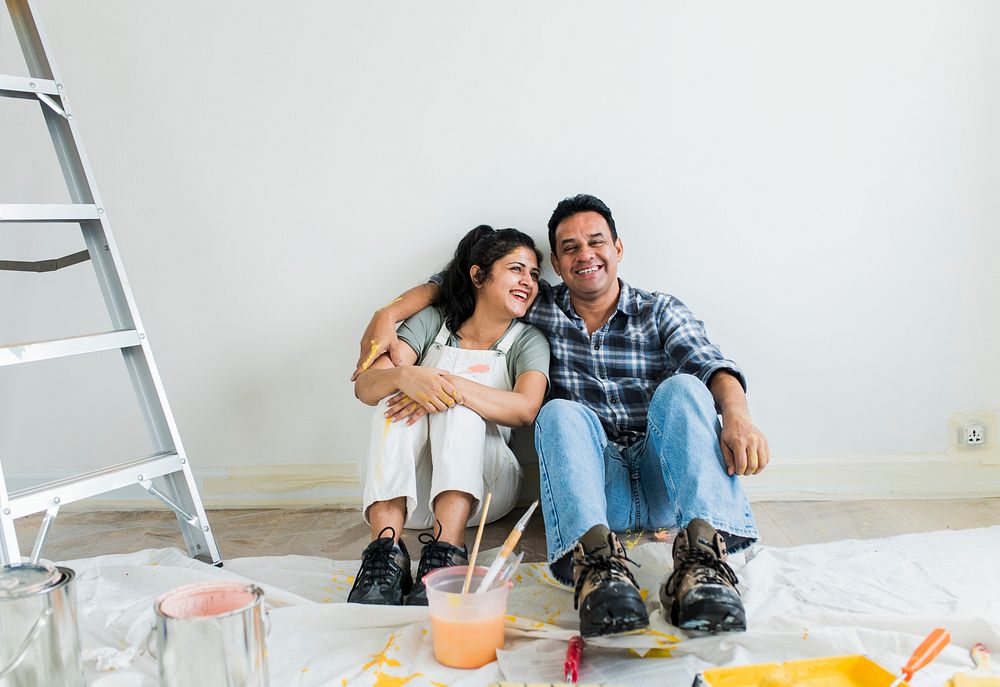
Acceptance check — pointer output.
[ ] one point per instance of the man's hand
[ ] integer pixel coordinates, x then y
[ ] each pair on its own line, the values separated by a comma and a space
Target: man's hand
379, 337
744, 447
422, 390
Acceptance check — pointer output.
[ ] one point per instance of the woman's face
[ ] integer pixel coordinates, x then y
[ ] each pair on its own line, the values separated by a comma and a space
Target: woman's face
513, 283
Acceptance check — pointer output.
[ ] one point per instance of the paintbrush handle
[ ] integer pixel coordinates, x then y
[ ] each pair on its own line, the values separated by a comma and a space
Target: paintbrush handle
475, 547
928, 650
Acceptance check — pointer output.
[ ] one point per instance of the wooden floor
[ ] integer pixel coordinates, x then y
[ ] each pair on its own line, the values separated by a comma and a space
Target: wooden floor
340, 534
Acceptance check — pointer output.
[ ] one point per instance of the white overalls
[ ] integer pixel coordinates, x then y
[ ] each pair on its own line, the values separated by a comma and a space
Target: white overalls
451, 450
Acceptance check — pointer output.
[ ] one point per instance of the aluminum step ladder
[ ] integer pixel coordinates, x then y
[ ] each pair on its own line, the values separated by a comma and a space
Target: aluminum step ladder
177, 488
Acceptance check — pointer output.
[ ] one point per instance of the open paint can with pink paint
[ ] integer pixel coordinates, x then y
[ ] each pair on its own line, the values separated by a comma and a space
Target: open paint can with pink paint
212, 633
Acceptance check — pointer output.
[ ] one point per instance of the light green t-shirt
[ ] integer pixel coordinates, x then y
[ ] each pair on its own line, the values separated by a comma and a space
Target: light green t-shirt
530, 350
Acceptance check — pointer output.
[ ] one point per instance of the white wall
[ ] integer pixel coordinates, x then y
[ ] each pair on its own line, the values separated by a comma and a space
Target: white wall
816, 180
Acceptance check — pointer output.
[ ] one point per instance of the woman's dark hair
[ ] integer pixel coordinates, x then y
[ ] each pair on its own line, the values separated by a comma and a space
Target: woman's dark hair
581, 202
482, 246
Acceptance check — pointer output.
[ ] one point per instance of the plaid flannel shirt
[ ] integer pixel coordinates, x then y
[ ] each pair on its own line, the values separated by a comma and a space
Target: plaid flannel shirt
616, 370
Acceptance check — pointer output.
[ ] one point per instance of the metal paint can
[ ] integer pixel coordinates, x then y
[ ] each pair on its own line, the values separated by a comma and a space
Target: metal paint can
212, 633
39, 636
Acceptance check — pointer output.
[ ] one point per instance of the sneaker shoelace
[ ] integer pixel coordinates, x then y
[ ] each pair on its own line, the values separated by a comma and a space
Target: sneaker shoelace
377, 560
600, 566
707, 568
434, 554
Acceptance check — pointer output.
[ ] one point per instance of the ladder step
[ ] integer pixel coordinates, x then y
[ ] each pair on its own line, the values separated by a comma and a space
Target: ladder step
26, 87
16, 354
38, 499
48, 213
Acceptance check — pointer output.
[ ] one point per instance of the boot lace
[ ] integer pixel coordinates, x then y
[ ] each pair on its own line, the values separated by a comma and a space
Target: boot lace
377, 561
602, 566
705, 566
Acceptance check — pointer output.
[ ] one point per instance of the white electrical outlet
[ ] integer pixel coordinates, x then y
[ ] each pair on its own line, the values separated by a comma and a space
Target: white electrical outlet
973, 434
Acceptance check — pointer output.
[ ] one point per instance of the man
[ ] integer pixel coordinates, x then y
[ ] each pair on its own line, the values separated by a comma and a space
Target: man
631, 438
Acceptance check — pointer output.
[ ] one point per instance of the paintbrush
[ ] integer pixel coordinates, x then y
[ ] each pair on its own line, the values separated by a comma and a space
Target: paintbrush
928, 650
508, 546
475, 547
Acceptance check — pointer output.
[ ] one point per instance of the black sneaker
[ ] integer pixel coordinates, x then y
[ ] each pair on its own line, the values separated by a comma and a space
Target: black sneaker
435, 554
606, 592
384, 576
701, 593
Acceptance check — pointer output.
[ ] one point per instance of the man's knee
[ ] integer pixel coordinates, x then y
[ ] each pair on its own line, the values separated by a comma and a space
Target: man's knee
683, 388
560, 419
558, 412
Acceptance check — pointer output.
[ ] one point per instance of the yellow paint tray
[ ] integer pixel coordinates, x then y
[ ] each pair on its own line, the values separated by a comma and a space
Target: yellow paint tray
835, 671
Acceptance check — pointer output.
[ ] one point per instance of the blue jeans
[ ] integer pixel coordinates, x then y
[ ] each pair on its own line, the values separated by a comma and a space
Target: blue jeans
674, 474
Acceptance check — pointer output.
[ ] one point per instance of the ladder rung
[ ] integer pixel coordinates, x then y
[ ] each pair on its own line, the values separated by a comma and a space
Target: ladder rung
15, 354
26, 87
38, 499
48, 213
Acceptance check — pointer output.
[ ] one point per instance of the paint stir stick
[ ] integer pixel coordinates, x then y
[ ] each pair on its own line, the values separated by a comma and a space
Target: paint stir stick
475, 547
928, 650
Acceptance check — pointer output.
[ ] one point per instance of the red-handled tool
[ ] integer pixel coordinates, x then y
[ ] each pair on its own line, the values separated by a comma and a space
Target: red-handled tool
571, 668
928, 650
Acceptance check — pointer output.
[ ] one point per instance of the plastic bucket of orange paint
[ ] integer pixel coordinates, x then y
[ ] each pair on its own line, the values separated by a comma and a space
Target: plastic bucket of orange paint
212, 633
466, 629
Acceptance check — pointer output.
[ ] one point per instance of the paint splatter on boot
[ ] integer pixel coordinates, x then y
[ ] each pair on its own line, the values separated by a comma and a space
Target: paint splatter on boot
701, 593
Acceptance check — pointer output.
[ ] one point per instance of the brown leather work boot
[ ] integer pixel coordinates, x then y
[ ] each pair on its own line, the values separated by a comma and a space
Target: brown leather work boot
606, 592
701, 593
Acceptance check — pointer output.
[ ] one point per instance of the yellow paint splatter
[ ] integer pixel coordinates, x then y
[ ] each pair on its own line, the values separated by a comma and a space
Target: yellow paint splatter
372, 352
380, 466
327, 599
343, 682
663, 637
652, 653
383, 680
393, 302
439, 684
350, 579
305, 670
805, 634
382, 660
632, 539
643, 593
511, 618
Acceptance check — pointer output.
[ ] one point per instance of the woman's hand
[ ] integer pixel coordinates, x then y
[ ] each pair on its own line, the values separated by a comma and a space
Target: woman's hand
402, 407
422, 389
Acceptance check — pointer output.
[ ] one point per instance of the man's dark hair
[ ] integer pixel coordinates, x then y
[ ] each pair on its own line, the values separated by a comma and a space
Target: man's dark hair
581, 202
482, 246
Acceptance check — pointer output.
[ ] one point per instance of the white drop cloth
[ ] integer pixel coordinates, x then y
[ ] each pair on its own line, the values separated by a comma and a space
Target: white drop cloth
875, 597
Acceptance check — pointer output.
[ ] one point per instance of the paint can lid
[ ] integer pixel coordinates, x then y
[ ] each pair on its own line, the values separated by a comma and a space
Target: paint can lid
25, 579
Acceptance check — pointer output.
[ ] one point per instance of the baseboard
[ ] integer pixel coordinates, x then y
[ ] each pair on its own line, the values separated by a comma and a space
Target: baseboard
924, 476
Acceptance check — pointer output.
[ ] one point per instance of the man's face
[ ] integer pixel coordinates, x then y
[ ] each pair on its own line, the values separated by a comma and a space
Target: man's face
586, 258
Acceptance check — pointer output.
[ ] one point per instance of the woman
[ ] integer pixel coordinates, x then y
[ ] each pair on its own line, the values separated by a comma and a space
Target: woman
439, 438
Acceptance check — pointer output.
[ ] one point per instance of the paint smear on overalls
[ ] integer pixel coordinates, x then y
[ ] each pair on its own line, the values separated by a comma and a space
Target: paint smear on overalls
380, 466
474, 369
